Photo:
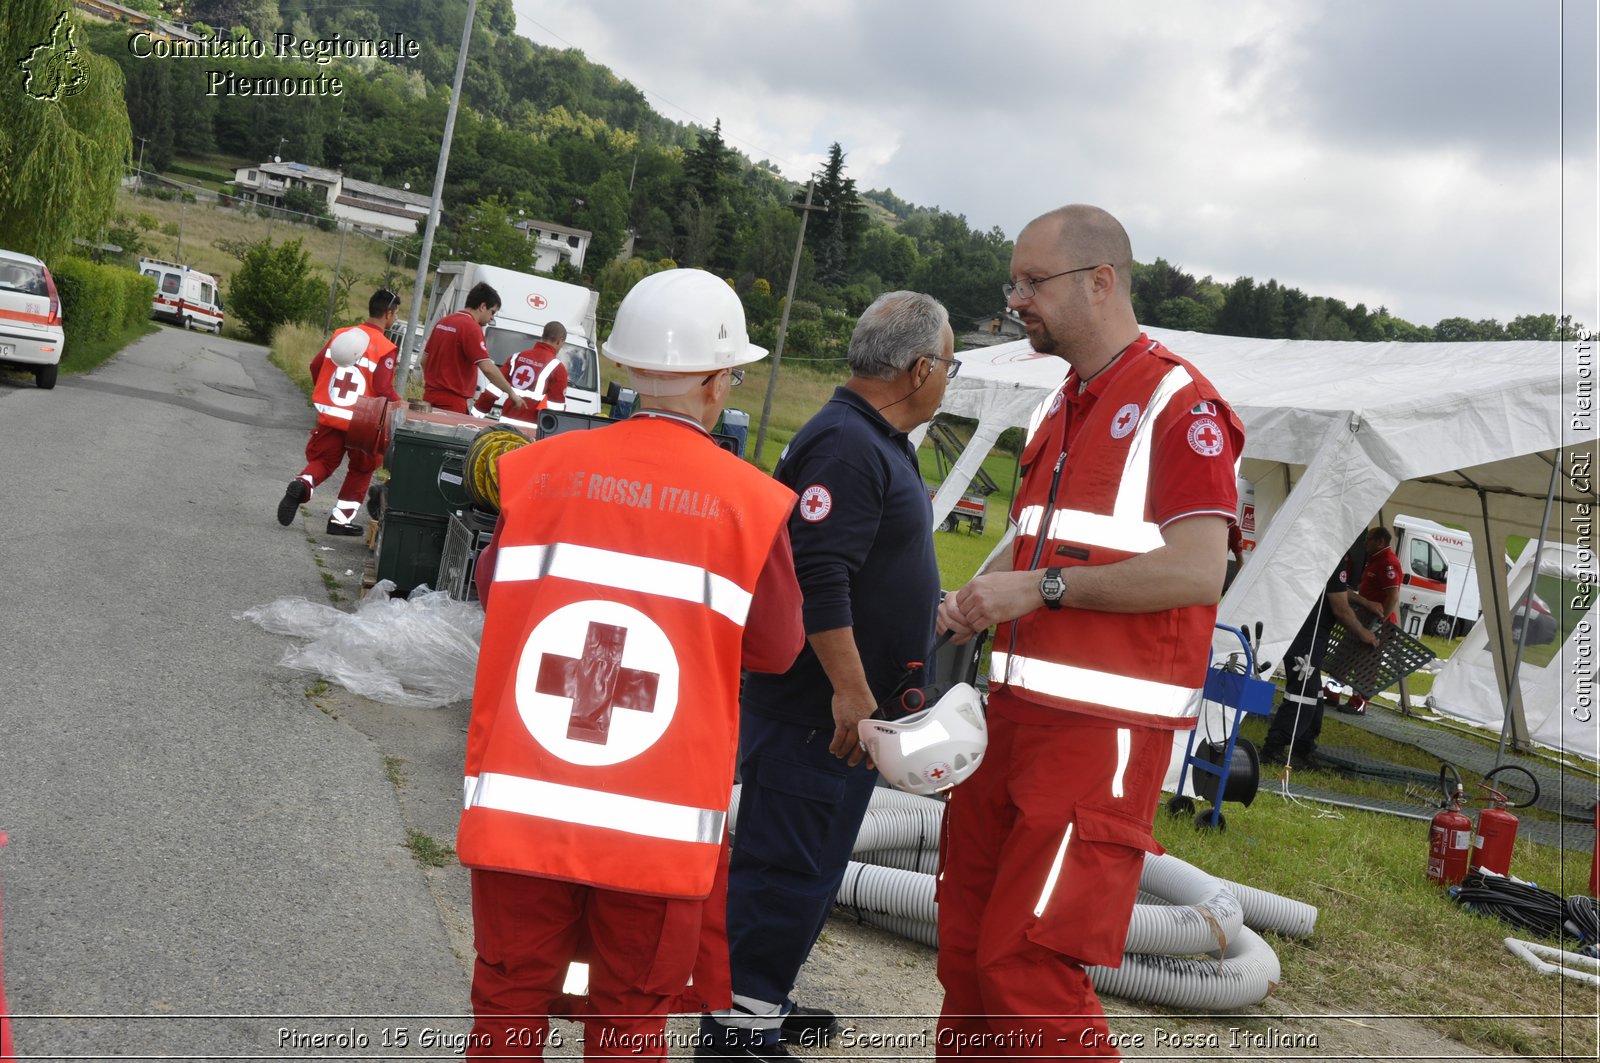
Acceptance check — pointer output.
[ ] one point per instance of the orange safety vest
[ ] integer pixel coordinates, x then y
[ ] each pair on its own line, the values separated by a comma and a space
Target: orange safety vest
605, 715
1143, 668
338, 387
531, 370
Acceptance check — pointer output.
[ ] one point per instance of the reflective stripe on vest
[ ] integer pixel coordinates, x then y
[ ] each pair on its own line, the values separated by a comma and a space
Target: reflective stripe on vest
593, 808
544, 378
1072, 683
628, 572
335, 411
1125, 527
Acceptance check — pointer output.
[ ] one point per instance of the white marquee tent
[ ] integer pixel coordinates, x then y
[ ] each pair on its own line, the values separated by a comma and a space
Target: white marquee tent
1463, 433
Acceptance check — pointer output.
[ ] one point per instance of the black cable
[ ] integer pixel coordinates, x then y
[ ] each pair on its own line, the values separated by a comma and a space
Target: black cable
1583, 917
1524, 906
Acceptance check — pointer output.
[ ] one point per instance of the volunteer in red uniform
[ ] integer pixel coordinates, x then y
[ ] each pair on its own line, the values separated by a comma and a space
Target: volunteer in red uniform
537, 371
363, 364
635, 569
1379, 593
456, 352
1105, 609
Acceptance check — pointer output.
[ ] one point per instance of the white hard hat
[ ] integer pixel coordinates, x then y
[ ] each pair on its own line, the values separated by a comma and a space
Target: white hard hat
681, 321
931, 750
348, 347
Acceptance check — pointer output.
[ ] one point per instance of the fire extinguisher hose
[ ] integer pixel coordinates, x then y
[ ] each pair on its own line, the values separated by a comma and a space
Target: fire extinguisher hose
1530, 908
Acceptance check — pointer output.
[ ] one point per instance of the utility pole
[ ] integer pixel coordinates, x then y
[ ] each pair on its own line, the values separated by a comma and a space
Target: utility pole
182, 209
408, 345
334, 294
138, 173
783, 322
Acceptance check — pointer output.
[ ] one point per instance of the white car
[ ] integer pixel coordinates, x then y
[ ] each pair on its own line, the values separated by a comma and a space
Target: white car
30, 318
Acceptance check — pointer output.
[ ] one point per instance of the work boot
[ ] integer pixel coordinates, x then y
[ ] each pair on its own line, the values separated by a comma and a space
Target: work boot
335, 528
811, 1027
297, 494
1272, 754
718, 1042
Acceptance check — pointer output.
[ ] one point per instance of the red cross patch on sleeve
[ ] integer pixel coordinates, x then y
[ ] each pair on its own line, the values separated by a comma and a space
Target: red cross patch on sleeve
815, 503
1205, 438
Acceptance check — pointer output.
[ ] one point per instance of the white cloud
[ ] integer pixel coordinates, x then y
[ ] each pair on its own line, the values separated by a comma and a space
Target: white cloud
1407, 155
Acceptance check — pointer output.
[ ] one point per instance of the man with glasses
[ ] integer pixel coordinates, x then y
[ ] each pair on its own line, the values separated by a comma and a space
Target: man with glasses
335, 389
863, 548
1105, 607
456, 352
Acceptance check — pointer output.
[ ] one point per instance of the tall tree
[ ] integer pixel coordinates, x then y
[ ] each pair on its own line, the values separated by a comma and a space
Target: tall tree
64, 137
834, 236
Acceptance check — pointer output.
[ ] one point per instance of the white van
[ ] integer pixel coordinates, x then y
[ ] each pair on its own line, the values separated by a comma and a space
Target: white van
527, 303
184, 296
1439, 594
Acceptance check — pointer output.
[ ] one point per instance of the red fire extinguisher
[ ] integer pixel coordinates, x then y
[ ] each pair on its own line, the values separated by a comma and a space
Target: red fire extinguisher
1450, 834
1496, 833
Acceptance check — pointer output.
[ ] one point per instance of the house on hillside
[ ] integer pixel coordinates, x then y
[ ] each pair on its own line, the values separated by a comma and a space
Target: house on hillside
106, 11
354, 204
999, 327
556, 243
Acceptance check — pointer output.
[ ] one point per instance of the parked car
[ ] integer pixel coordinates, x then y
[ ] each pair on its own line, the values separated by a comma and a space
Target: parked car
30, 318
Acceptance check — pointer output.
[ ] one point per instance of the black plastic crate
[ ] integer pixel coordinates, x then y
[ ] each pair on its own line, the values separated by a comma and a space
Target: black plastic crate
410, 546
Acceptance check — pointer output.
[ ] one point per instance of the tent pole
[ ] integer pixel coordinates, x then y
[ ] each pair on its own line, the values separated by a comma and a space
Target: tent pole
1527, 615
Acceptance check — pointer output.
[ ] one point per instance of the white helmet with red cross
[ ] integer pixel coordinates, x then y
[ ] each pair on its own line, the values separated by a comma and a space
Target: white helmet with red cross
348, 347
932, 750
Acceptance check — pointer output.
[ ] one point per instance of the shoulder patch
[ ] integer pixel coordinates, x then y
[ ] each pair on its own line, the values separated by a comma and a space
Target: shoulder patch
1205, 438
815, 503
1204, 409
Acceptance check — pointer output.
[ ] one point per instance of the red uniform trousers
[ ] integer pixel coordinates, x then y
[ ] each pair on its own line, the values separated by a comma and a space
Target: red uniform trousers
526, 930
325, 450
1014, 981
440, 399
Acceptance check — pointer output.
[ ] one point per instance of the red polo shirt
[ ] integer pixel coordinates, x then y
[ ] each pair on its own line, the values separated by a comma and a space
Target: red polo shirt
450, 370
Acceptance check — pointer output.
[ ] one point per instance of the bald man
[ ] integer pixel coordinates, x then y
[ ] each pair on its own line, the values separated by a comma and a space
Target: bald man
1105, 608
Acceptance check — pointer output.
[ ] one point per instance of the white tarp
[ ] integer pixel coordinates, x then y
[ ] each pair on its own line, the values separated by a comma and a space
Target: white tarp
1560, 712
1336, 432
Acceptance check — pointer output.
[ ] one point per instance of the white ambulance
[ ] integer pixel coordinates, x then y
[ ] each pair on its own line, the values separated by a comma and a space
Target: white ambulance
1440, 590
184, 296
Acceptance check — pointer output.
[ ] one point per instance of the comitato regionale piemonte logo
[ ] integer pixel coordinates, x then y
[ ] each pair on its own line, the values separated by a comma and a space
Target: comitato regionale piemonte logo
54, 70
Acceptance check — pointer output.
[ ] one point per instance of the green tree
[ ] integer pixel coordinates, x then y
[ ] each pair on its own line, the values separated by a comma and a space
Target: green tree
833, 236
485, 232
1184, 314
64, 139
273, 286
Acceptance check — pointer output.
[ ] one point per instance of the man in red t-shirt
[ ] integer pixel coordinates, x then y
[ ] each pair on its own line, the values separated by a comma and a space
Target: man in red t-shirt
538, 370
1379, 593
456, 352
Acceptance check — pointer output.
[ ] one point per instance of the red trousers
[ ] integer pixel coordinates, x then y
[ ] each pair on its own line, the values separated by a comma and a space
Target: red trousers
325, 450
440, 399
1044, 847
527, 929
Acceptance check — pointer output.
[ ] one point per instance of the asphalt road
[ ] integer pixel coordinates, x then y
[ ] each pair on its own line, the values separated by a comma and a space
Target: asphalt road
203, 860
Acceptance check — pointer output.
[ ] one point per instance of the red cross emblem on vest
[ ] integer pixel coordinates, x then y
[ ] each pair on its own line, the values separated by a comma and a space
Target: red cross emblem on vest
347, 385
597, 683
1125, 420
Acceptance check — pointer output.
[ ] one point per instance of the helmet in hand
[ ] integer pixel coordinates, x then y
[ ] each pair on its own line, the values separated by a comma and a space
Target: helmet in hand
348, 347
932, 750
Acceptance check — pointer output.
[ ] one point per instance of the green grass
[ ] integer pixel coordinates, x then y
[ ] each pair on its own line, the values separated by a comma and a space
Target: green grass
428, 852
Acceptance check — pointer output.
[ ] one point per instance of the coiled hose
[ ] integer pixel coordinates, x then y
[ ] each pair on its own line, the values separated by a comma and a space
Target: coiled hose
481, 472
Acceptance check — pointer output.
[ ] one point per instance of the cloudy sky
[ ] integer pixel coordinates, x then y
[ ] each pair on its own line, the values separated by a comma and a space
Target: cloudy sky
1427, 156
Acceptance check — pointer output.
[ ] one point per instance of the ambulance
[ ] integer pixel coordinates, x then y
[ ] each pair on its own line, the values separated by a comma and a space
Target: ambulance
1439, 593
184, 296
527, 303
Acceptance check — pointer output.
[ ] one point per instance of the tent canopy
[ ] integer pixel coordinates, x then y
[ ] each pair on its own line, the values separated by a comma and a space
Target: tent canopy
1462, 433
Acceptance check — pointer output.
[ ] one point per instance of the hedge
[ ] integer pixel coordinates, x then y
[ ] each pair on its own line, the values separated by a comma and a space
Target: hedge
100, 301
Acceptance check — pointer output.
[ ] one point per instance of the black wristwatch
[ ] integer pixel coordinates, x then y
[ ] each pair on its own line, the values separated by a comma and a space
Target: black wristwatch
1052, 587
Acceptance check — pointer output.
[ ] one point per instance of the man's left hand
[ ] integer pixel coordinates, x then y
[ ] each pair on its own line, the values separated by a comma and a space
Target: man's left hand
996, 597
849, 709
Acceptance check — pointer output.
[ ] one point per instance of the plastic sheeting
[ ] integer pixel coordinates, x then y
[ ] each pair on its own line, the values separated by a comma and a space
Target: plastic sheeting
419, 652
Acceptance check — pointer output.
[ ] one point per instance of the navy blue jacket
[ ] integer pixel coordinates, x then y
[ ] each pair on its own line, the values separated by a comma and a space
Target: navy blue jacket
863, 551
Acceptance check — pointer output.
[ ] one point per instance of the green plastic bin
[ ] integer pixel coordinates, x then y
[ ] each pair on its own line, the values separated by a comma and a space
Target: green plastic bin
416, 456
409, 548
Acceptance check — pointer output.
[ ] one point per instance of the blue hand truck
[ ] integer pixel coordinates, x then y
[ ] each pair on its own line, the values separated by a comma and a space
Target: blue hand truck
1232, 683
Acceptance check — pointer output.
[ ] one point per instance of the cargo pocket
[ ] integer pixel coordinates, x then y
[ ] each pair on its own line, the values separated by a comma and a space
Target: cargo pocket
1085, 916
676, 948
791, 808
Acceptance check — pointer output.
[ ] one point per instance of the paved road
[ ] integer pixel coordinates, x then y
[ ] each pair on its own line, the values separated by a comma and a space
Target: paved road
190, 835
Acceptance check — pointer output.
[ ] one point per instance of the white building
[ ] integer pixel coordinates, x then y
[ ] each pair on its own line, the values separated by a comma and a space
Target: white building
554, 243
354, 204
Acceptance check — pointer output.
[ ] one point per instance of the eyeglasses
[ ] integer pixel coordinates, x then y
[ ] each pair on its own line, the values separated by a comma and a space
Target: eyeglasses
953, 363
1023, 289
735, 377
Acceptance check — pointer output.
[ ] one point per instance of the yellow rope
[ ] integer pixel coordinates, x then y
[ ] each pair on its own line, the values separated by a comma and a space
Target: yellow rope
481, 475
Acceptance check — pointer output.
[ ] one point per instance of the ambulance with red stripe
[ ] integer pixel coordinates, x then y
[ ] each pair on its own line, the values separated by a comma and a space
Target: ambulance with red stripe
31, 336
184, 296
1439, 589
